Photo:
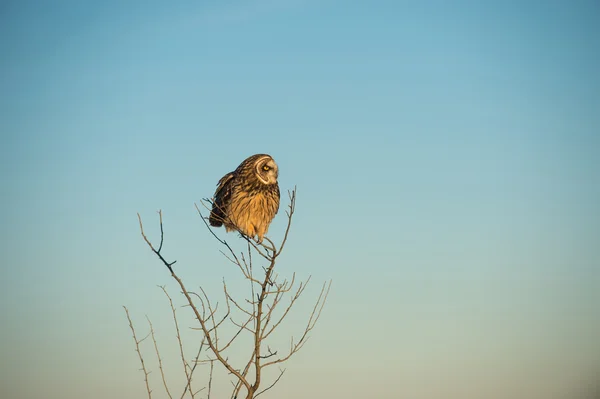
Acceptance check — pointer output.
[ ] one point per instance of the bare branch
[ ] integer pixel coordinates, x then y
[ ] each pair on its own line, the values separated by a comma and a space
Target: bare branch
292, 301
162, 373
189, 372
271, 353
289, 213
210, 378
273, 384
312, 321
209, 340
230, 298
241, 327
188, 377
260, 320
137, 348
167, 264
189, 381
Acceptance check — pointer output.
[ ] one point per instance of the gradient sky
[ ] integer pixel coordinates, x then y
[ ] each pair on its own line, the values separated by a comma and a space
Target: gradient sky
446, 159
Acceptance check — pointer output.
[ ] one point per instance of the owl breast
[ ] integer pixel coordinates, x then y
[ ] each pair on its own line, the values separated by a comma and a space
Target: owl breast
252, 212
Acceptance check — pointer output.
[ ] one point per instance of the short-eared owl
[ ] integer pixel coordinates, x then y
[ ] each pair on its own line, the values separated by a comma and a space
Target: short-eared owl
247, 199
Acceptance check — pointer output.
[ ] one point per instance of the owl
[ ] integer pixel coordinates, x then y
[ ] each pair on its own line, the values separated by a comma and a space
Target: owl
247, 199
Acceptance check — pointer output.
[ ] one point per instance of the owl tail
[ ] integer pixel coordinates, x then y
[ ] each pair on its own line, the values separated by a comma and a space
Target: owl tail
216, 217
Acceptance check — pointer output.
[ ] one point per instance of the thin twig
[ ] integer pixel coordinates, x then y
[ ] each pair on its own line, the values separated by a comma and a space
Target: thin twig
169, 265
189, 382
312, 321
137, 348
273, 384
160, 366
289, 213
210, 378
188, 377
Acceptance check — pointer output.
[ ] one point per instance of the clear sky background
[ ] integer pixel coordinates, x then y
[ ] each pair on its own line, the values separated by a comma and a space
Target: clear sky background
446, 159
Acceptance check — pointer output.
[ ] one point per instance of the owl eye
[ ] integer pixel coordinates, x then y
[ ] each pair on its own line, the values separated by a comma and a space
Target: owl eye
266, 168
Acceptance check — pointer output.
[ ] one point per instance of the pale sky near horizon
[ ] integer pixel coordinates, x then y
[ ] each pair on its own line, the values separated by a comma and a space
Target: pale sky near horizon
446, 160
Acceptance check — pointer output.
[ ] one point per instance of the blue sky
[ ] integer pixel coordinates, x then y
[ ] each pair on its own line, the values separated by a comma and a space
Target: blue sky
446, 159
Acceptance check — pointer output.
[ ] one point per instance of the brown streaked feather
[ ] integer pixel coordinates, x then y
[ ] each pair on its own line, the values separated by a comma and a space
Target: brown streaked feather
221, 198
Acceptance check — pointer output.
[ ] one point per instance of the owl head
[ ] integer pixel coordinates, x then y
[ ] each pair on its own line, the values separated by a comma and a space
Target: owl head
265, 169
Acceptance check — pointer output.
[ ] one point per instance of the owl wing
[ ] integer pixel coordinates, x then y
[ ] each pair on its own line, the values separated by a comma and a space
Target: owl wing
277, 199
220, 201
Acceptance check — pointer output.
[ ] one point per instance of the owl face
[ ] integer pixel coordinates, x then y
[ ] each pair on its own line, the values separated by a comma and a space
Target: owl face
266, 170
